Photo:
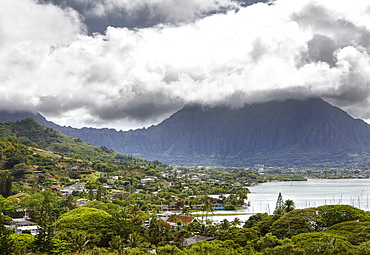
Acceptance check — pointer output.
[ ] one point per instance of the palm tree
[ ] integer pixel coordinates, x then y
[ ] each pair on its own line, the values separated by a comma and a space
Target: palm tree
134, 240
236, 222
207, 205
289, 206
224, 225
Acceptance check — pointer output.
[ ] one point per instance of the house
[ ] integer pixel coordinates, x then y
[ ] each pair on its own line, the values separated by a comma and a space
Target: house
74, 187
165, 216
113, 178
174, 218
147, 180
21, 225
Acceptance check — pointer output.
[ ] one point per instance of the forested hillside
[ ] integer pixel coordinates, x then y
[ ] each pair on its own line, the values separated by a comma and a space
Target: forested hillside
28, 132
91, 200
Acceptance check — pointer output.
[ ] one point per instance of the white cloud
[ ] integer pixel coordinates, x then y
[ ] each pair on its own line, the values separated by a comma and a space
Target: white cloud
261, 52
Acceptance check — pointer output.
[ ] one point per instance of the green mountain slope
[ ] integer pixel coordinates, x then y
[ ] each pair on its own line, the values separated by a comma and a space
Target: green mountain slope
28, 132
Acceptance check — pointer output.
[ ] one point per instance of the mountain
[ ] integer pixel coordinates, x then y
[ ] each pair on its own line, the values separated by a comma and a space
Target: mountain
300, 132
290, 132
30, 133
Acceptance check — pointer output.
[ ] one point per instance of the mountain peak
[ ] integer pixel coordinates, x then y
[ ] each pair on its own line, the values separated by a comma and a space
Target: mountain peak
278, 132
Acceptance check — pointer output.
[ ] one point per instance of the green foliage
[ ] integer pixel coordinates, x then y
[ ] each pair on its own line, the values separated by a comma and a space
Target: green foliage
5, 184
59, 247
284, 249
20, 170
216, 247
78, 240
362, 249
296, 222
117, 243
46, 219
279, 208
111, 208
323, 243
22, 243
333, 214
158, 231
28, 132
98, 223
268, 241
5, 232
170, 249
356, 232
262, 221
241, 236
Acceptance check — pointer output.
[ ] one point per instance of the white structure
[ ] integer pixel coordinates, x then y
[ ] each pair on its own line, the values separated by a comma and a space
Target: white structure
74, 187
22, 224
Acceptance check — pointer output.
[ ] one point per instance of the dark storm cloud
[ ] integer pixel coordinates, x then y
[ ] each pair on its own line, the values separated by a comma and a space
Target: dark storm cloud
139, 111
98, 15
321, 48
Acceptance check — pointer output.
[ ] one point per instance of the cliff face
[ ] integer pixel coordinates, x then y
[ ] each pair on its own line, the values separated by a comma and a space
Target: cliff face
275, 132
290, 132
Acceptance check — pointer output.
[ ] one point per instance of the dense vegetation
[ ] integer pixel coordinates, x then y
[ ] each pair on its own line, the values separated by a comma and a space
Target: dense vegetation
118, 227
28, 132
124, 194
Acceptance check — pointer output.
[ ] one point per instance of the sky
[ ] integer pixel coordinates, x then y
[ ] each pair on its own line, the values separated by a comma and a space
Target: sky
127, 64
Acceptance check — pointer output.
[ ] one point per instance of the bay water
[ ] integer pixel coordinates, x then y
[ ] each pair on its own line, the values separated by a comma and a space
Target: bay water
305, 194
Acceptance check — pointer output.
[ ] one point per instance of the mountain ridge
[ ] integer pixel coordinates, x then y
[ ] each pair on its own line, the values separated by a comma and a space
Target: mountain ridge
289, 132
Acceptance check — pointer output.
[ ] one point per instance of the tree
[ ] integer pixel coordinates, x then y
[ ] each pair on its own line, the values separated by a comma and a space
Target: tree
236, 222
279, 208
22, 243
77, 239
268, 241
117, 243
322, 243
225, 225
333, 214
289, 206
20, 170
5, 232
207, 205
262, 221
227, 247
45, 222
5, 184
240, 236
284, 249
356, 232
134, 240
158, 231
15, 158
296, 222
100, 225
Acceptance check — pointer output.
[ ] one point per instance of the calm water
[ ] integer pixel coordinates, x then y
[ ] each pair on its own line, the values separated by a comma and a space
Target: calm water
311, 193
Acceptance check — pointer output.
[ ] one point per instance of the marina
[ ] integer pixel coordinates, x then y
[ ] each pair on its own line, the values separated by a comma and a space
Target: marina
305, 194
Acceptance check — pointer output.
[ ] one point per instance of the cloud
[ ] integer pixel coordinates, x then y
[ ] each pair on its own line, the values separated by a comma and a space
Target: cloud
100, 14
166, 10
126, 77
